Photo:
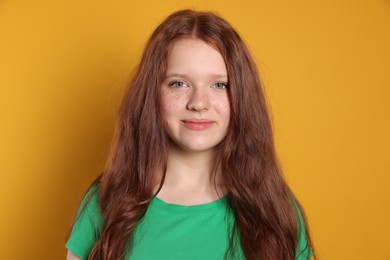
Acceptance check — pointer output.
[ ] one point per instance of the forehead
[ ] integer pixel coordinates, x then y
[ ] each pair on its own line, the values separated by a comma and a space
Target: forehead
195, 56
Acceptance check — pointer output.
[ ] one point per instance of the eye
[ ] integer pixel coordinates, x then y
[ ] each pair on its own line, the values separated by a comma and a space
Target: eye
177, 84
221, 85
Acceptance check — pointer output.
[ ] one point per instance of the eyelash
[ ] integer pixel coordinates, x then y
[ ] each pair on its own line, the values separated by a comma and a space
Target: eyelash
224, 85
175, 84
218, 85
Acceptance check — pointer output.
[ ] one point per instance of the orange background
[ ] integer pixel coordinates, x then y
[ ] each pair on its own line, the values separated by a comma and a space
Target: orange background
325, 64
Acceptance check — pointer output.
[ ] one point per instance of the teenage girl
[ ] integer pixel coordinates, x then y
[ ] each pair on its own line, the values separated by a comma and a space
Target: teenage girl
192, 172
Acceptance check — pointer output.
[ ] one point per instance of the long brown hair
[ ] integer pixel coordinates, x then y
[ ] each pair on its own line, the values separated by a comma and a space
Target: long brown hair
266, 212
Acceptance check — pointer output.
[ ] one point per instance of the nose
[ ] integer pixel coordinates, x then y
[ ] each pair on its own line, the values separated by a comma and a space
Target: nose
199, 101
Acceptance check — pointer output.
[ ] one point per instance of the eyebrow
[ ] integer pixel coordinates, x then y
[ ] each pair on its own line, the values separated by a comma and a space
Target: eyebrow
172, 75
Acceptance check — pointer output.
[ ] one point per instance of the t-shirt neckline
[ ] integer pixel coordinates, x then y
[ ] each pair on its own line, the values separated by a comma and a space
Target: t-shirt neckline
170, 207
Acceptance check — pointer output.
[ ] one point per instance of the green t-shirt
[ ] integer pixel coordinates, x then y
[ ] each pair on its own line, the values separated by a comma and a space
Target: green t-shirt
168, 231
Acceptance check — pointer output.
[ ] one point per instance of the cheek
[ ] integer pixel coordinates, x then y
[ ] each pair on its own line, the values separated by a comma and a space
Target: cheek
223, 106
171, 102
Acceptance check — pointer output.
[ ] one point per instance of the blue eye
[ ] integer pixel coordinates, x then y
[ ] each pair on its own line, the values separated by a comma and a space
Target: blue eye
221, 85
177, 84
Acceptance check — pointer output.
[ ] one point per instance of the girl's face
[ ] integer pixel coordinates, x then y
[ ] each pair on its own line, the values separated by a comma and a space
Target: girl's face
195, 104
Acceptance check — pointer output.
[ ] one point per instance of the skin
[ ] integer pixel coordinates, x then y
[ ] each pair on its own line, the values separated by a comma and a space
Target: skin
195, 87
71, 256
196, 112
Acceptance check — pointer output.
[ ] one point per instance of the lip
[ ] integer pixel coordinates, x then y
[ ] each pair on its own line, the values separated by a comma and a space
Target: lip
197, 124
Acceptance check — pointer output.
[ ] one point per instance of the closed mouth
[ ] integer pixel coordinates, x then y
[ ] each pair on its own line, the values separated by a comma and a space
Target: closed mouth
197, 124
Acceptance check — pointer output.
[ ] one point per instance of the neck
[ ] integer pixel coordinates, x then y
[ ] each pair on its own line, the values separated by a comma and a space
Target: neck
191, 177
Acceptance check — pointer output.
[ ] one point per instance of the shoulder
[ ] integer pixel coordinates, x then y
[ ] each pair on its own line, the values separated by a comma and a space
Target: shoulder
304, 250
88, 224
91, 201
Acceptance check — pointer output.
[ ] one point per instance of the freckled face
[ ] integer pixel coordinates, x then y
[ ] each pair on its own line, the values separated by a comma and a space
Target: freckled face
195, 104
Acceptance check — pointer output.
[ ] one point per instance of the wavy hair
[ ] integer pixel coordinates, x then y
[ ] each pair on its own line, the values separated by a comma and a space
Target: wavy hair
266, 212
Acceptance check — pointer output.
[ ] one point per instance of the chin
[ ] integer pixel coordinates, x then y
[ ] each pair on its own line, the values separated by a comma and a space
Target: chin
199, 147
193, 147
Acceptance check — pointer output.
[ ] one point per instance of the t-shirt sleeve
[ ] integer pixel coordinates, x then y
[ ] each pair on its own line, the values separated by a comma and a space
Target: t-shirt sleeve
304, 252
88, 225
